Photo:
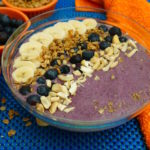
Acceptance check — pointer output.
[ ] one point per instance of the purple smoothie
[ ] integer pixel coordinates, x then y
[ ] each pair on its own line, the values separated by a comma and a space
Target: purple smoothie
108, 99
113, 97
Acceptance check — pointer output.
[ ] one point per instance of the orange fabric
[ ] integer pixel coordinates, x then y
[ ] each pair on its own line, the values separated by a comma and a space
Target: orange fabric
138, 10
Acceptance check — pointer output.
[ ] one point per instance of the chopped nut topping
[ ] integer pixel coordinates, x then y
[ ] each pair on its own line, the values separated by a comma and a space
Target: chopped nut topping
112, 77
29, 123
136, 96
68, 77
53, 107
2, 108
97, 78
69, 109
61, 107
77, 73
39, 107
101, 110
25, 119
45, 102
3, 101
6, 121
48, 83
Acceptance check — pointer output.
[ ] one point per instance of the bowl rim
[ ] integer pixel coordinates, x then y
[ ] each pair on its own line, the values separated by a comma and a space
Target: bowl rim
24, 17
27, 10
80, 123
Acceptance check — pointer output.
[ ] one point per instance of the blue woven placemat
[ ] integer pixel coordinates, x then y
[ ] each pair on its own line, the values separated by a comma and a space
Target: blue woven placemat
127, 136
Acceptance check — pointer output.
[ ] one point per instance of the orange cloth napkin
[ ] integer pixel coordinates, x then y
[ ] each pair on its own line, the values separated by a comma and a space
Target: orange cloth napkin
139, 10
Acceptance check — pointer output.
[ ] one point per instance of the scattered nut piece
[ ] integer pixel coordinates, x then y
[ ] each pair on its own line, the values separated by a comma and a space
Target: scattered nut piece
69, 109
54, 99
62, 95
116, 39
61, 107
2, 108
48, 83
25, 119
77, 73
41, 123
68, 77
73, 65
6, 121
114, 64
101, 110
39, 107
73, 88
53, 107
45, 102
112, 77
11, 132
67, 101
3, 101
132, 43
29, 123
97, 78
88, 70
53, 94
132, 53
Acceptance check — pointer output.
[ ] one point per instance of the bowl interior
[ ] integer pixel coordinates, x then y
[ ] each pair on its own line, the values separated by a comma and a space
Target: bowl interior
48, 19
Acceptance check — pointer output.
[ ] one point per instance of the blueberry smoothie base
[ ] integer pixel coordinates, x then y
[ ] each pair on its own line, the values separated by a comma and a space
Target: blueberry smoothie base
109, 98
105, 95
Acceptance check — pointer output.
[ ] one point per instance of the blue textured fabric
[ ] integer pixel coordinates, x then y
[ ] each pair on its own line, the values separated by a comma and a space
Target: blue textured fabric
127, 136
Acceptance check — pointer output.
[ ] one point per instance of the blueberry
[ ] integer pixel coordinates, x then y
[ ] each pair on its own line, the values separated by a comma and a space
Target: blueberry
14, 23
43, 90
87, 55
8, 30
24, 90
3, 37
82, 45
108, 38
19, 23
76, 59
1, 28
51, 74
103, 27
122, 39
65, 69
41, 80
104, 44
5, 20
54, 62
33, 99
93, 37
115, 30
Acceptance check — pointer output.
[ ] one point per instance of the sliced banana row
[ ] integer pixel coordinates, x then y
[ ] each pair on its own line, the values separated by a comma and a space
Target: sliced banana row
25, 65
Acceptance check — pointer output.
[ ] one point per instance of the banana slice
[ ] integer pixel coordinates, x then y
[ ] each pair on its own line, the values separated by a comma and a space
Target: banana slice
79, 26
30, 50
23, 74
90, 23
17, 61
55, 32
65, 26
24, 63
43, 38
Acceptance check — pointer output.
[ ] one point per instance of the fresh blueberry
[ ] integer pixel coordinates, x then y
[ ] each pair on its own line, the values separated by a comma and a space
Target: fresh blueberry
24, 90
51, 74
8, 30
19, 23
103, 27
87, 55
41, 80
33, 99
65, 69
13, 23
115, 30
1, 28
122, 39
93, 37
108, 38
82, 45
76, 59
104, 44
43, 90
3, 37
54, 62
5, 20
